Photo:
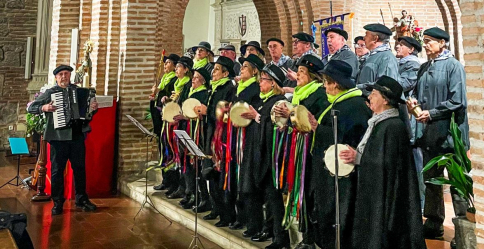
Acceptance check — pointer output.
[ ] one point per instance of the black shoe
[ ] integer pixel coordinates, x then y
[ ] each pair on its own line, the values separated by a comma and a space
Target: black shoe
203, 207
261, 236
177, 194
222, 224
159, 187
210, 216
170, 191
453, 244
248, 234
86, 205
58, 207
236, 226
278, 245
190, 203
185, 200
432, 231
302, 245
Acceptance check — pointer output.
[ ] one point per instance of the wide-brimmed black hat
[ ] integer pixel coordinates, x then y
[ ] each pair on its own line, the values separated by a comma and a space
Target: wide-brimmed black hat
338, 31
388, 87
228, 47
186, 61
340, 71
227, 63
62, 68
205, 74
172, 57
437, 33
304, 37
254, 60
276, 73
254, 44
276, 40
380, 28
205, 45
313, 63
359, 38
410, 40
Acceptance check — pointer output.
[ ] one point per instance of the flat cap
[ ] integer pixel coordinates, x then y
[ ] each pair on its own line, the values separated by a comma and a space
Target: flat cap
438, 33
337, 31
380, 28
410, 40
276, 40
359, 38
62, 68
304, 37
227, 47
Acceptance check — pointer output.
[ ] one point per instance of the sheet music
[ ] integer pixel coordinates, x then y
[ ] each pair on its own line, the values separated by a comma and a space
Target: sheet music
189, 143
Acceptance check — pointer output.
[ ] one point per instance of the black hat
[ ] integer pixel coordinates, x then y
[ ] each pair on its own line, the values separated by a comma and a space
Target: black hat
410, 40
389, 87
62, 68
359, 38
340, 71
380, 28
315, 45
205, 74
186, 61
254, 60
338, 31
172, 57
304, 37
438, 33
227, 47
313, 63
227, 63
276, 40
253, 44
205, 45
276, 73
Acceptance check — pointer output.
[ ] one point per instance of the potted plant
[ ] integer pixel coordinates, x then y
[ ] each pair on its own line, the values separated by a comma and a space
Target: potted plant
35, 122
459, 178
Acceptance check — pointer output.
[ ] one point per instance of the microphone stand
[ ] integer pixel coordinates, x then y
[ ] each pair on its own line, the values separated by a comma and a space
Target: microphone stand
334, 113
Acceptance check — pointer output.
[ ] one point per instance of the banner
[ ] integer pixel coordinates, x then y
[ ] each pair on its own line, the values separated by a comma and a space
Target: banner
334, 22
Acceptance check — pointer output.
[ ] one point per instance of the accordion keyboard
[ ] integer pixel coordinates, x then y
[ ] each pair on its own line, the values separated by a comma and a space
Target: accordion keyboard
60, 119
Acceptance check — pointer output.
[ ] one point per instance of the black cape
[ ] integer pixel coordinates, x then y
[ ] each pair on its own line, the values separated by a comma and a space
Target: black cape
387, 208
352, 123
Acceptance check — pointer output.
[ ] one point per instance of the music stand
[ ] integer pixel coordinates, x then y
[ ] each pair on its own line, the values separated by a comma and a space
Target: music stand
149, 137
195, 151
19, 147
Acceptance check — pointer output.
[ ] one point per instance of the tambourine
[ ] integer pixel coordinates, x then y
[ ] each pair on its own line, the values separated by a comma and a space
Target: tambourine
278, 120
237, 109
344, 168
170, 110
221, 111
300, 119
188, 108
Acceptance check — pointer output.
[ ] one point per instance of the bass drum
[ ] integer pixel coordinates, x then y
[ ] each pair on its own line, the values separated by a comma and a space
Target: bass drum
170, 111
344, 168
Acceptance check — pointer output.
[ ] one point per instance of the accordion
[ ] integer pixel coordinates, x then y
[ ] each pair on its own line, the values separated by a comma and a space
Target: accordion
72, 104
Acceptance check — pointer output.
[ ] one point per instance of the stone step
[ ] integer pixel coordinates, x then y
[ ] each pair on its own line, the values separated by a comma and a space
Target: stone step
134, 187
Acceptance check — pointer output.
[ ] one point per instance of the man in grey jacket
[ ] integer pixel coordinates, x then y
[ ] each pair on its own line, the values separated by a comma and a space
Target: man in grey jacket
338, 50
441, 92
381, 60
65, 143
407, 49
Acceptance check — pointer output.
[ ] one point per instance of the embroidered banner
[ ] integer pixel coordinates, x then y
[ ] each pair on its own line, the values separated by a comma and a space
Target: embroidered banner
327, 23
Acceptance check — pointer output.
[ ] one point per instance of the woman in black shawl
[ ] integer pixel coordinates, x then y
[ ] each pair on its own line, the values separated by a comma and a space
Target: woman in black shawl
387, 209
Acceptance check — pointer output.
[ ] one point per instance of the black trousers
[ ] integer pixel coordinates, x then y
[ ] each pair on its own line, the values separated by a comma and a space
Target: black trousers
434, 209
190, 181
75, 152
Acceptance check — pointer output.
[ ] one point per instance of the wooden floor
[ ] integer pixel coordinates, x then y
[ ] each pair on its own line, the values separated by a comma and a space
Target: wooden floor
112, 225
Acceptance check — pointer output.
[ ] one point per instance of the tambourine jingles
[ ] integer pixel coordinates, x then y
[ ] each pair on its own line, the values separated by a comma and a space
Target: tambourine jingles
188, 108
344, 168
300, 119
237, 109
170, 110
221, 111
278, 120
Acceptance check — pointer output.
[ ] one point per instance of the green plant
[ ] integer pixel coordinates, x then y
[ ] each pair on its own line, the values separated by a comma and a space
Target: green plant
35, 123
458, 168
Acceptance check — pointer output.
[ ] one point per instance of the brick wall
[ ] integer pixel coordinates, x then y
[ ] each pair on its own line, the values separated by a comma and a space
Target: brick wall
17, 22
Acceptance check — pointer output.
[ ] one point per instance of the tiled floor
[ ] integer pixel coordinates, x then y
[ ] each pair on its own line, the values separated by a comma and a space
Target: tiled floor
112, 226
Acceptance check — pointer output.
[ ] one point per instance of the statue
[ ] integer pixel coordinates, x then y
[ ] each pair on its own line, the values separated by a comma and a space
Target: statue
407, 26
83, 73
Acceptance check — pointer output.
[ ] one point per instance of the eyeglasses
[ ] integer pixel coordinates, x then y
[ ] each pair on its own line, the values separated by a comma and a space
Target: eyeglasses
273, 46
359, 45
295, 41
266, 79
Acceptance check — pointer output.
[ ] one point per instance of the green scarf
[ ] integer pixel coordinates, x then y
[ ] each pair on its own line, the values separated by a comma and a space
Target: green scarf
355, 92
198, 89
266, 96
303, 92
200, 63
165, 80
180, 83
244, 84
218, 83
